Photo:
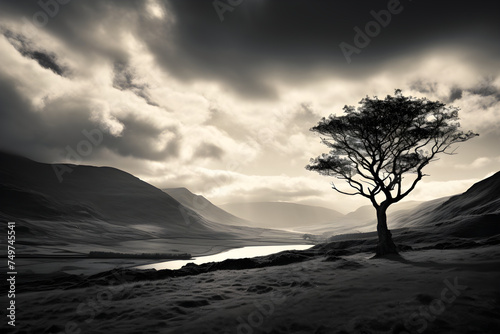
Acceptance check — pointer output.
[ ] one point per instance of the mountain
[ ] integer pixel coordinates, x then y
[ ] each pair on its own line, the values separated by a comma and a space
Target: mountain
363, 213
367, 212
205, 208
32, 190
106, 209
475, 213
282, 214
363, 219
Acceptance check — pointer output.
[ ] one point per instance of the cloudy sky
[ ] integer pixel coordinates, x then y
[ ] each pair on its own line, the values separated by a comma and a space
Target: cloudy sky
219, 96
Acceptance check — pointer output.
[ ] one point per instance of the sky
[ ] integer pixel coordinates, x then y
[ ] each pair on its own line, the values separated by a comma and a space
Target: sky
219, 96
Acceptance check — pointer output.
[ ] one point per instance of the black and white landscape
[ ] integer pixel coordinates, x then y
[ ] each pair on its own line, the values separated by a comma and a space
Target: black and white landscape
335, 286
253, 166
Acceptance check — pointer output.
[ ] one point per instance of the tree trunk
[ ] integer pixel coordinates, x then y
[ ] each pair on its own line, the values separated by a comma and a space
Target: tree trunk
385, 244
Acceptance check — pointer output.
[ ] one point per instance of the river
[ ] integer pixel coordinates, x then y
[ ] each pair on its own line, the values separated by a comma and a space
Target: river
236, 253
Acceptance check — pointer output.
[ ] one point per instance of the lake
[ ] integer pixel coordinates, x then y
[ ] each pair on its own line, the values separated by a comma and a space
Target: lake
236, 253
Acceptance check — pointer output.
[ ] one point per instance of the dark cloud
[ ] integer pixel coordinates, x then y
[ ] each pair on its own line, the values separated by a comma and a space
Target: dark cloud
19, 130
305, 116
24, 46
58, 129
140, 137
259, 41
455, 94
208, 150
88, 27
486, 88
124, 79
46, 60
423, 86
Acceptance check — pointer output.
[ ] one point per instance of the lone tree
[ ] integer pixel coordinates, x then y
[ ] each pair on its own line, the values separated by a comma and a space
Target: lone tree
373, 146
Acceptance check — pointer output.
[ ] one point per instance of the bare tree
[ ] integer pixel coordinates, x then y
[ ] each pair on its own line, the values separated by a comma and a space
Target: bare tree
373, 146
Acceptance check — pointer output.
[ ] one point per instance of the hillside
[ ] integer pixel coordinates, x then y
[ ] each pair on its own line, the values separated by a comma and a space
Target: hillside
32, 190
475, 213
106, 209
367, 212
282, 214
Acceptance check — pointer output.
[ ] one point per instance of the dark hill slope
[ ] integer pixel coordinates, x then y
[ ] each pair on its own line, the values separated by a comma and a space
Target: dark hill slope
475, 213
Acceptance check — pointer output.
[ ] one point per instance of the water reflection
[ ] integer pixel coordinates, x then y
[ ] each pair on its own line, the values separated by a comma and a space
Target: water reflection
237, 253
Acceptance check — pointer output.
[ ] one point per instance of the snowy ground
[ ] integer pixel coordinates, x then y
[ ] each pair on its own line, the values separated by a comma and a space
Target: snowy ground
432, 291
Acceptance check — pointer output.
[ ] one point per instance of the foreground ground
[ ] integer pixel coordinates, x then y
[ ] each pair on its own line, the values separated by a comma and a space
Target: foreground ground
430, 291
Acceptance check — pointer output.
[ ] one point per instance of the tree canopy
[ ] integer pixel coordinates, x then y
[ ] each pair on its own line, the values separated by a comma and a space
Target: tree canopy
374, 145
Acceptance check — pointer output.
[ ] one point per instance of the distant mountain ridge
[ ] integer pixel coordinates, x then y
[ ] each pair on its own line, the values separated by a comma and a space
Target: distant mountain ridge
282, 214
205, 208
366, 213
